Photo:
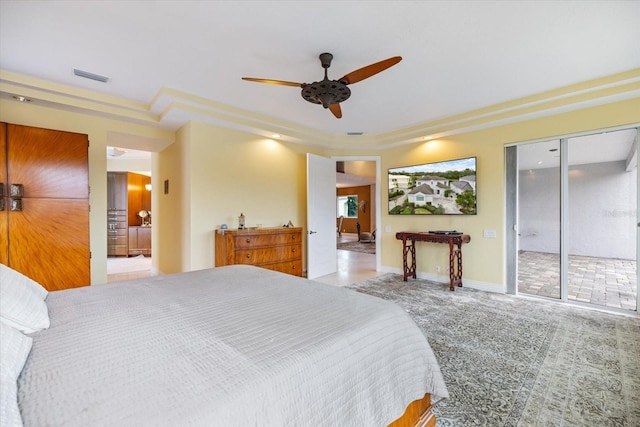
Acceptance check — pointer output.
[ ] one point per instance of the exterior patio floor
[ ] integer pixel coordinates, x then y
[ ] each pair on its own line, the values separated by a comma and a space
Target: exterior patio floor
600, 281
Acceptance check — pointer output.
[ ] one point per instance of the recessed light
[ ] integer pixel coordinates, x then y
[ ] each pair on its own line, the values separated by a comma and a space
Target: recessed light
427, 138
21, 98
275, 135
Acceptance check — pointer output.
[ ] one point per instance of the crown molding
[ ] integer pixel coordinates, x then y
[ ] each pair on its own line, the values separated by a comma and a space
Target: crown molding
170, 109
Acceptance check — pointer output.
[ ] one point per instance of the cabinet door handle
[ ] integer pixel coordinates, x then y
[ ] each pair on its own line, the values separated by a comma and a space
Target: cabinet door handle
16, 205
16, 190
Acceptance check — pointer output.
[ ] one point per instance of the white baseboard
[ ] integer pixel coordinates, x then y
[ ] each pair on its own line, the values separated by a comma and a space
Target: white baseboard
469, 283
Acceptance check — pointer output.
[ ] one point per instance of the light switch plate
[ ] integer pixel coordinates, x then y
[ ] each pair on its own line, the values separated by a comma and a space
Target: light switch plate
489, 234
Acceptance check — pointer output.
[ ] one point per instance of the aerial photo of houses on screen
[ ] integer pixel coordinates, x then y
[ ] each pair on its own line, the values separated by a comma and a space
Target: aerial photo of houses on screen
443, 188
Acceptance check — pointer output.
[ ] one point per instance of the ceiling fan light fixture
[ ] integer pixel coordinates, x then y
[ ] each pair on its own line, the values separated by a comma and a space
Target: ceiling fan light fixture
330, 93
326, 92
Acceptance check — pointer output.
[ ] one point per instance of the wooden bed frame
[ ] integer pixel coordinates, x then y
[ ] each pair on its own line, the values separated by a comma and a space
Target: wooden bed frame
417, 414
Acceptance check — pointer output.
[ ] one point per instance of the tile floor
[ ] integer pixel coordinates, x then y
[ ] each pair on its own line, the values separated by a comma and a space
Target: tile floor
601, 281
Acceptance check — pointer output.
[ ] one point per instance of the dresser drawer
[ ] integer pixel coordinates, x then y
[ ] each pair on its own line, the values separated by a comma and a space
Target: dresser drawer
117, 240
113, 232
257, 240
290, 267
117, 250
267, 255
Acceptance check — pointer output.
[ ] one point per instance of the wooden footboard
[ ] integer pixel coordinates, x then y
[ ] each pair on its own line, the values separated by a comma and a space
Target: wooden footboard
417, 414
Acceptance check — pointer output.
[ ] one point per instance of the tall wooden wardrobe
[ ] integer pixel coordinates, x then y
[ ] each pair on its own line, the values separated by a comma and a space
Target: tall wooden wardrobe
44, 208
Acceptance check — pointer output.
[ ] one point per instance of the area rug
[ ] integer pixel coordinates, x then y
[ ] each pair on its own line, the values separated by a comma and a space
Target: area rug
515, 361
367, 248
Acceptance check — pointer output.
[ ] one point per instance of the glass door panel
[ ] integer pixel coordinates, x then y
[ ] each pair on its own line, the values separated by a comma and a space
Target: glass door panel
600, 230
538, 223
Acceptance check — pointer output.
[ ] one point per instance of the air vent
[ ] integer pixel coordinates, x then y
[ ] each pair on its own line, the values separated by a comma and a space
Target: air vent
340, 167
355, 133
91, 76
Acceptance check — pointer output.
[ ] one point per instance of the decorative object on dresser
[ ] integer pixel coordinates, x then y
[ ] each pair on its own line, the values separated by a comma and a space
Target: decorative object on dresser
273, 248
44, 208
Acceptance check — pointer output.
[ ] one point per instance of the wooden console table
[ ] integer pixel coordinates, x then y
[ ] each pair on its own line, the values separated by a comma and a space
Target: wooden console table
455, 241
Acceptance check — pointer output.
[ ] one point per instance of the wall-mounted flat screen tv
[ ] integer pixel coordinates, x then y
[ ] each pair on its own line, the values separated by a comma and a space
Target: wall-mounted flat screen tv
440, 188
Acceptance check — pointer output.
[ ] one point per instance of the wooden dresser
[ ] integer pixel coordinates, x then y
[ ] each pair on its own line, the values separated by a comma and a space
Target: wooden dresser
277, 248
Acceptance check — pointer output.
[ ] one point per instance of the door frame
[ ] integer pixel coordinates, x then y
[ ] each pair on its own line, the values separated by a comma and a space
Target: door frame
511, 214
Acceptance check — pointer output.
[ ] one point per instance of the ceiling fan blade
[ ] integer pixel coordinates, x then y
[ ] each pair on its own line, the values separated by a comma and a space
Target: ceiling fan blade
273, 82
336, 110
370, 70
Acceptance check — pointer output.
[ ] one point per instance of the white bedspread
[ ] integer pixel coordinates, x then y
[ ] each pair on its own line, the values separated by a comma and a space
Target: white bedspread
229, 346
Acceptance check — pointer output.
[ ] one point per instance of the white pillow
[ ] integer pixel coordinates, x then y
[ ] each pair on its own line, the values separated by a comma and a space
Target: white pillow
14, 350
22, 303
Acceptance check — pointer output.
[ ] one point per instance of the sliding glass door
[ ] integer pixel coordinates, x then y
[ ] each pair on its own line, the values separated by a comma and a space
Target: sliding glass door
601, 222
573, 219
539, 218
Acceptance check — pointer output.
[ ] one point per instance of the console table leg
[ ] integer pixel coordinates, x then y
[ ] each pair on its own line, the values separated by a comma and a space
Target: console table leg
408, 249
452, 271
455, 265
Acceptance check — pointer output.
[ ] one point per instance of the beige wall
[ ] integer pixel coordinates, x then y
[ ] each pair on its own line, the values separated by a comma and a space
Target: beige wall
214, 174
218, 174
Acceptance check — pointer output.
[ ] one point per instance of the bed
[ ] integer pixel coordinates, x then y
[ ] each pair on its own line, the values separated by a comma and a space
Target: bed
235, 345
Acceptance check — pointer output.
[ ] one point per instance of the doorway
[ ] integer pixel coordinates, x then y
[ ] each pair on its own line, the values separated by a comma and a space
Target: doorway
359, 177
572, 219
129, 214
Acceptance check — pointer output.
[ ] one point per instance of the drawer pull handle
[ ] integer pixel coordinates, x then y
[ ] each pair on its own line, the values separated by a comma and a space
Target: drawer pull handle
293, 250
248, 255
248, 240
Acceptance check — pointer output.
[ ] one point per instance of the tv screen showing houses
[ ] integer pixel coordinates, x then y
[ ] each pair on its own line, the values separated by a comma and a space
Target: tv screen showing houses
441, 188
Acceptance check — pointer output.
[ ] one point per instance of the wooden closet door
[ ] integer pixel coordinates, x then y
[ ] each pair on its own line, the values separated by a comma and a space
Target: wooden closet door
50, 242
4, 240
49, 238
48, 163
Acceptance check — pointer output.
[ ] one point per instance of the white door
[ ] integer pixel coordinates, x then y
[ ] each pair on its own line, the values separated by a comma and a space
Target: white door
321, 216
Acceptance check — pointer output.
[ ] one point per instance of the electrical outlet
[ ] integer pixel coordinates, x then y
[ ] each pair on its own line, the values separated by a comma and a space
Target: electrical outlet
437, 269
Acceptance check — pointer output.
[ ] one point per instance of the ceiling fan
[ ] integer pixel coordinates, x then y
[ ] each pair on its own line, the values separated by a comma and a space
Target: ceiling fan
330, 93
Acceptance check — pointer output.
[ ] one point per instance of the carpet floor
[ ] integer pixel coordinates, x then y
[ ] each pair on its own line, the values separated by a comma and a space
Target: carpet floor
367, 248
512, 361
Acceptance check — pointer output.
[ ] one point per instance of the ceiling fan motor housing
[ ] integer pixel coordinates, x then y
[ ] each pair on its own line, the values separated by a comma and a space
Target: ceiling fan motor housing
326, 92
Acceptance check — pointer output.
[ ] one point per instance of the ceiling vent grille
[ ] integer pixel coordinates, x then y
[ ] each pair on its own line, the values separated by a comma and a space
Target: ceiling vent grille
354, 133
91, 76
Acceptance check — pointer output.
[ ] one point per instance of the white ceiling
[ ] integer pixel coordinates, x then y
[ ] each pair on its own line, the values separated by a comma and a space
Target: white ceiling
457, 55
